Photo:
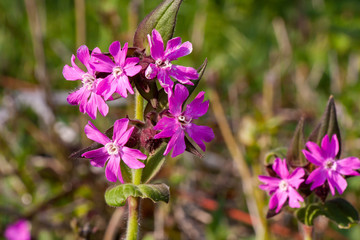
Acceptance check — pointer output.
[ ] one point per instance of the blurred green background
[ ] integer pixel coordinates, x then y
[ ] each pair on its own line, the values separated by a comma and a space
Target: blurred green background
270, 63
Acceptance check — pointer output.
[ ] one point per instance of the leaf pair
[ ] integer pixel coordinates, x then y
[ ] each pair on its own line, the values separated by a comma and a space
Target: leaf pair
338, 210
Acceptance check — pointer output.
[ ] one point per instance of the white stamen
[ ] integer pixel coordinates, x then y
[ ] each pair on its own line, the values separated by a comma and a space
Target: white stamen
117, 71
283, 185
330, 164
88, 81
112, 148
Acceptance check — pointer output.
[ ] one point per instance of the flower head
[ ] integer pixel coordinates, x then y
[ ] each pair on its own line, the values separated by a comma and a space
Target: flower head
283, 187
177, 122
86, 97
19, 230
120, 69
163, 68
328, 168
113, 150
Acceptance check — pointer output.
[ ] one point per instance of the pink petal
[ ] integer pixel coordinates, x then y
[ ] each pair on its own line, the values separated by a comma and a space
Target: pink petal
94, 134
75, 97
112, 168
313, 159
156, 45
151, 71
294, 198
115, 51
132, 70
165, 80
123, 85
280, 167
347, 166
71, 74
102, 106
334, 146
282, 197
130, 157
318, 176
83, 55
125, 137
172, 45
102, 63
179, 143
330, 148
173, 141
168, 126
197, 107
98, 157
316, 151
177, 99
337, 181
131, 61
91, 107
200, 134
122, 56
183, 50
295, 178
184, 74
120, 127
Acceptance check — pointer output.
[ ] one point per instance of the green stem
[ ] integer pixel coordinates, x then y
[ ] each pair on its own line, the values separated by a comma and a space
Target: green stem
308, 232
132, 227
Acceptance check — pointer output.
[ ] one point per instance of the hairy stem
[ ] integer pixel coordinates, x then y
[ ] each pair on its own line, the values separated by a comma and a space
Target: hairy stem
132, 227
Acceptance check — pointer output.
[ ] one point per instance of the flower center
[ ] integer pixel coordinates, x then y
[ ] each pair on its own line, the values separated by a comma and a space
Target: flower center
283, 185
163, 64
88, 81
112, 148
183, 120
117, 71
330, 164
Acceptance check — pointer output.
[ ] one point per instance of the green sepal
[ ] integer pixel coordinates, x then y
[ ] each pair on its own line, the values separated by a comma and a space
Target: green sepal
162, 18
307, 214
153, 164
116, 196
125, 172
328, 125
341, 212
294, 156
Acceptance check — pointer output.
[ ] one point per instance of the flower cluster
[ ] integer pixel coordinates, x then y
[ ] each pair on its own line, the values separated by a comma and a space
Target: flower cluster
113, 74
328, 172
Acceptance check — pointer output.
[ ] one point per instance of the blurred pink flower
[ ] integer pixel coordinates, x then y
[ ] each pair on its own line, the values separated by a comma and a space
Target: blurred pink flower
163, 68
19, 230
283, 188
329, 168
113, 150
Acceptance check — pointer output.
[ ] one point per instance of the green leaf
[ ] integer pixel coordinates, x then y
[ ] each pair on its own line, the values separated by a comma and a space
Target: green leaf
308, 213
116, 196
275, 153
200, 71
294, 156
162, 18
153, 164
328, 125
341, 212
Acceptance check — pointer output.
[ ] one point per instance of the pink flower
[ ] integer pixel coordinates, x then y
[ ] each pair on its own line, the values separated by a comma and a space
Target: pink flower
163, 68
176, 122
113, 150
283, 187
86, 97
19, 230
120, 70
329, 168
